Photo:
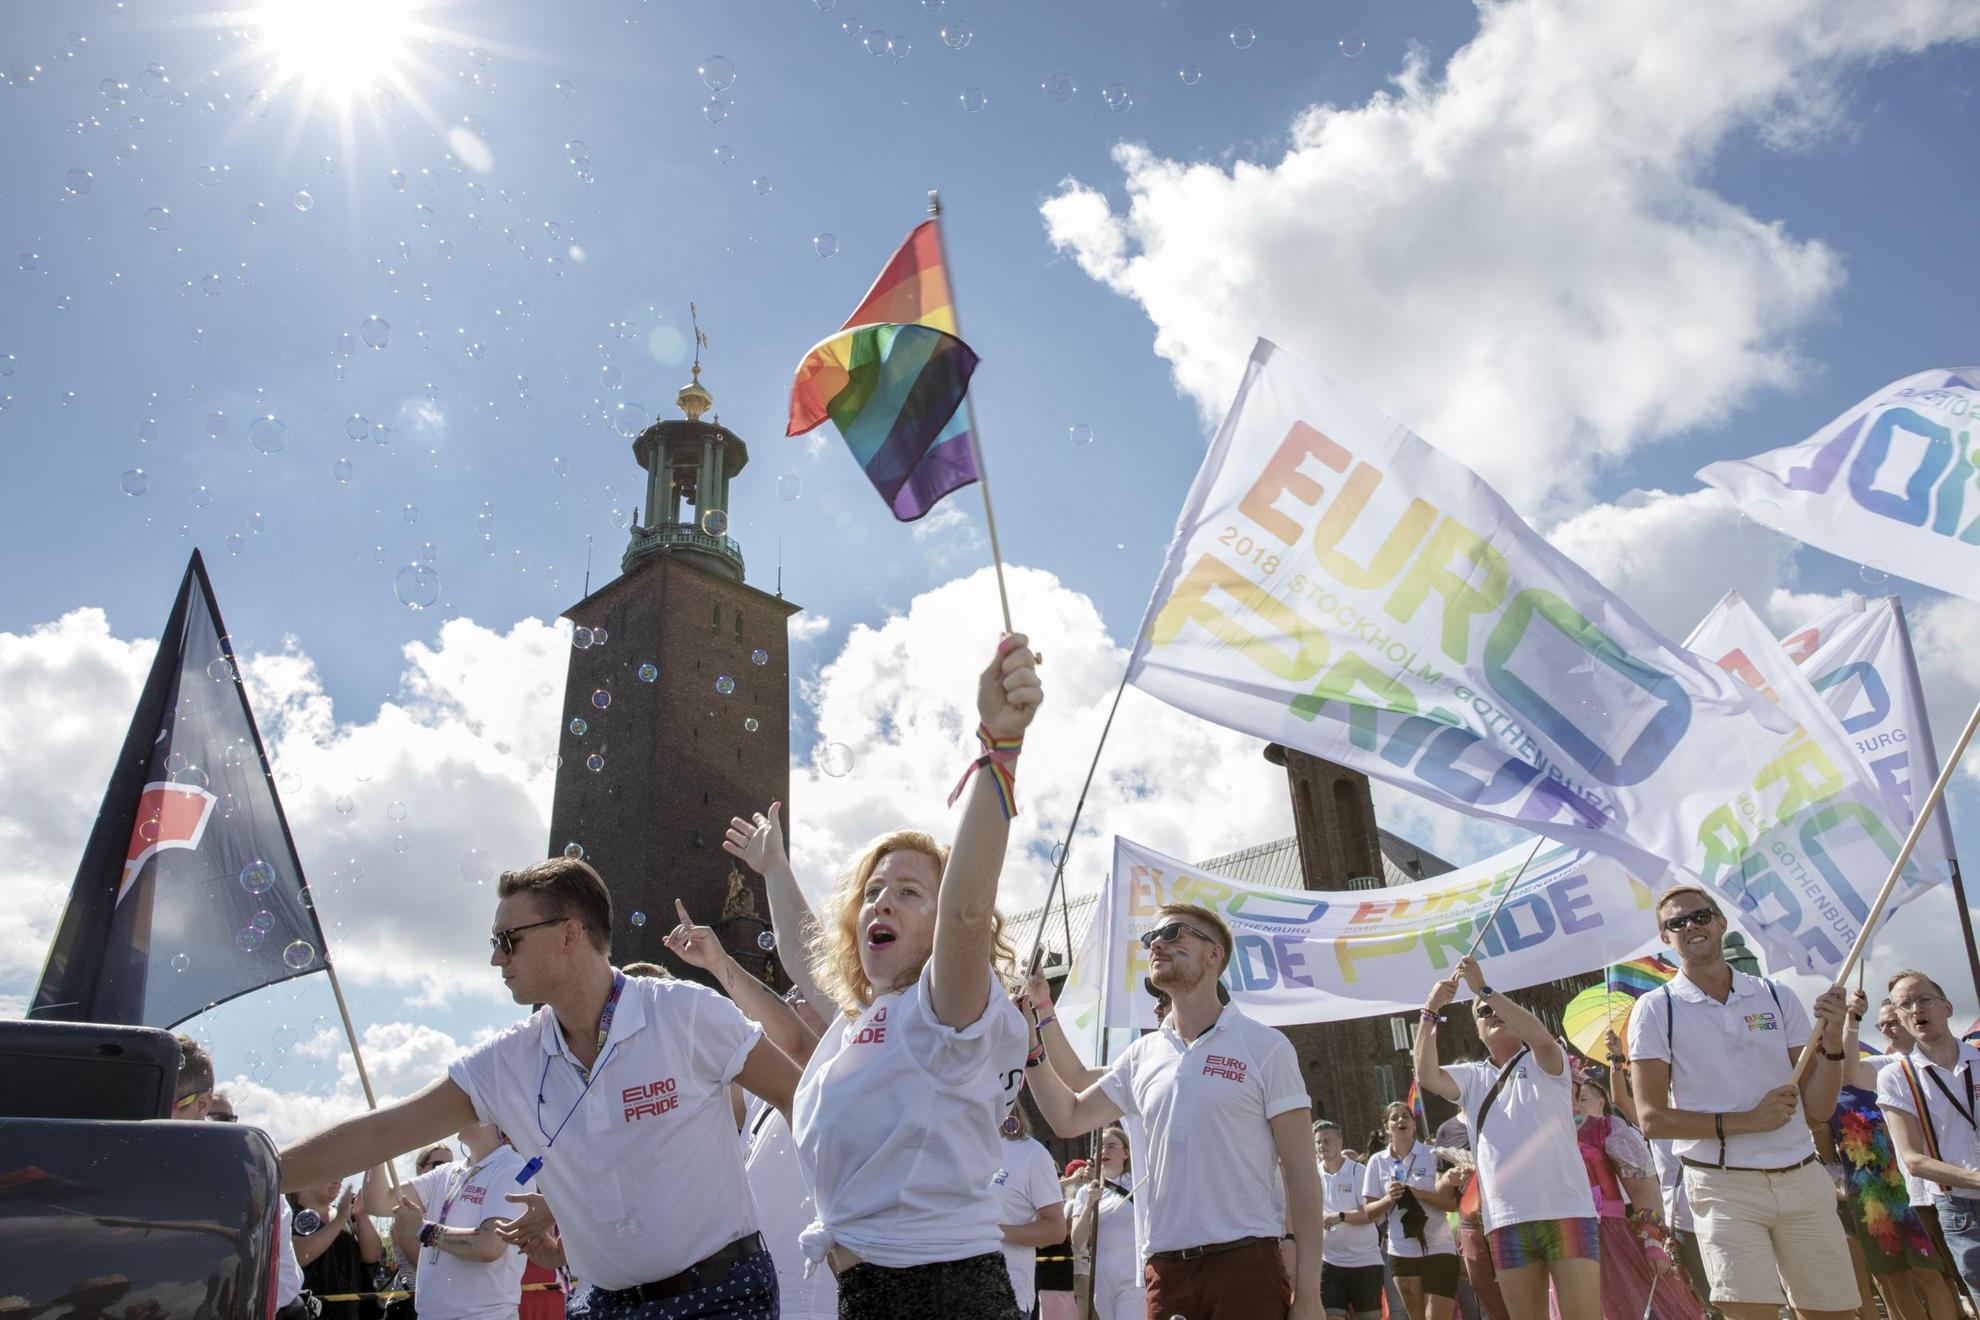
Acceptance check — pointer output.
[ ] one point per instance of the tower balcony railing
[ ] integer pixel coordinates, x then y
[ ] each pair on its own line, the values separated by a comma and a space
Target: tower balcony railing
686, 536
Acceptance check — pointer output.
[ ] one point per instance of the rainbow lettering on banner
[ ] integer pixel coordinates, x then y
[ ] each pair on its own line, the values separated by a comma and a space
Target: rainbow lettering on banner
1892, 482
1306, 957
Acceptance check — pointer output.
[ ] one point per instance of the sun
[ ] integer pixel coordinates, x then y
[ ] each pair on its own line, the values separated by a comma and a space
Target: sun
332, 49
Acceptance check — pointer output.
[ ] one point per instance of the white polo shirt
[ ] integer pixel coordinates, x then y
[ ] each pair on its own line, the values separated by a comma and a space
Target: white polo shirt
1529, 1165
1348, 1245
288, 1270
1728, 1056
1946, 1092
450, 1287
896, 1126
1208, 1170
655, 1120
1922, 1192
1026, 1184
784, 1208
1418, 1169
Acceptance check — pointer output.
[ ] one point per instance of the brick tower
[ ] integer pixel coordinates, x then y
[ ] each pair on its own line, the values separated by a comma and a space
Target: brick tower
677, 705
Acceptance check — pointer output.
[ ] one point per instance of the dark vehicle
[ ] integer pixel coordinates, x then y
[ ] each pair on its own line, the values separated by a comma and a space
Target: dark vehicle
110, 1208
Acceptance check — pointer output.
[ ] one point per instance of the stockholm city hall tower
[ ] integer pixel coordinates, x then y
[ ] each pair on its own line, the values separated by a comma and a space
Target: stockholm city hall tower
677, 705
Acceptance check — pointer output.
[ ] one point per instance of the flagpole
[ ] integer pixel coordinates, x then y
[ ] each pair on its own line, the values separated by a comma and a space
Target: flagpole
1065, 849
1911, 839
1924, 735
1479, 938
357, 1056
969, 403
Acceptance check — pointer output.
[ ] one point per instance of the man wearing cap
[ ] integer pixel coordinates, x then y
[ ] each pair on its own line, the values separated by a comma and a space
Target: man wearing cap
1227, 1152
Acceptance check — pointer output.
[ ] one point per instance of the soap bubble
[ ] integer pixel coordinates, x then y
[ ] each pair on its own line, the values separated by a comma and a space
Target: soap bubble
342, 470
357, 426
263, 921
759, 656
257, 212
601, 698
836, 760
1059, 88
396, 811
257, 877
216, 424
180, 962
714, 110
1242, 37
594, 763
973, 100
247, 939
766, 940
639, 918
574, 851
1115, 97
1190, 75
565, 87
750, 725
724, 154
476, 866
375, 331
956, 34
299, 955
579, 727
1758, 520
764, 187
717, 73
715, 522
397, 179
268, 434
1080, 434
825, 245
789, 487
648, 672
875, 42
158, 218
200, 497
628, 419
345, 806
211, 285
303, 203
134, 482
417, 586
76, 182
1873, 573
1352, 44
581, 638
725, 685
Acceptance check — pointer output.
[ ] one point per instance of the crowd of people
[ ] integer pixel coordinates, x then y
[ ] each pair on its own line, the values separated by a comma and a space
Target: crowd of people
654, 1148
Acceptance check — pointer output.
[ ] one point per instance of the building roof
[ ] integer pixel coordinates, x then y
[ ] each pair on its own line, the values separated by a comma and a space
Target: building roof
1274, 865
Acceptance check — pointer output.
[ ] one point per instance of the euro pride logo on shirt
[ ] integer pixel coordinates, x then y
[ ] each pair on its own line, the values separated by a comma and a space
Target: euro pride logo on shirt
1218, 1065
649, 1099
1762, 1022
874, 1032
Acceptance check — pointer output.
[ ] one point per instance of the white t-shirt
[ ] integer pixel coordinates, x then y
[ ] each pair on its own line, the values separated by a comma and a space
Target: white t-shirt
655, 1120
1529, 1166
1946, 1092
783, 1205
1026, 1184
1119, 1261
1209, 1168
1922, 1192
896, 1124
450, 1287
288, 1270
1347, 1245
1418, 1169
1728, 1056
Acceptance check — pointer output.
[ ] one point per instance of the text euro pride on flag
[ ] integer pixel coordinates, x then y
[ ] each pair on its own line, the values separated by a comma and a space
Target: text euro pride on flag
1413, 562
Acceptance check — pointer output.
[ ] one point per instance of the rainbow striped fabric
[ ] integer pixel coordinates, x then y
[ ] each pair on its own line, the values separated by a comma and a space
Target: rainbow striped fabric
1638, 976
892, 382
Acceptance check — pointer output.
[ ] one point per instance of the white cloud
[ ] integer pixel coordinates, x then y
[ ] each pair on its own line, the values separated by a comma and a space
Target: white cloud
947, 537
425, 417
1521, 256
901, 698
806, 627
401, 1058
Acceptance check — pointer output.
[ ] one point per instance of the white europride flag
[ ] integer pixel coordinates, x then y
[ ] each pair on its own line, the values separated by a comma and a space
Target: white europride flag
1891, 483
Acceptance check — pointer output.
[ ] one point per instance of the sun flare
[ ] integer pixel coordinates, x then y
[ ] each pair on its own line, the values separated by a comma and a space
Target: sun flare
334, 48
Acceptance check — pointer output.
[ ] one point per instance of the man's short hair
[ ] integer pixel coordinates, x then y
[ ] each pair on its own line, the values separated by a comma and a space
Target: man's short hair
1679, 891
1325, 1125
652, 970
1912, 973
566, 887
195, 1068
1203, 917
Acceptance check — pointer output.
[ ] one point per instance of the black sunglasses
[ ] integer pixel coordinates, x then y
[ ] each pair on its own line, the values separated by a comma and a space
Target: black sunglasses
223, 1118
1172, 932
505, 940
1702, 917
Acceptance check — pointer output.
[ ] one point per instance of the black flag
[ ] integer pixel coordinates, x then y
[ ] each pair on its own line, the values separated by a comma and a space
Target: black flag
189, 892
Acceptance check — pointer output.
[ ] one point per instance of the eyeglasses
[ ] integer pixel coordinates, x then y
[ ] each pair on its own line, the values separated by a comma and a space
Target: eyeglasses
218, 1117
1913, 1005
188, 1101
1172, 932
1702, 917
505, 940
1484, 1011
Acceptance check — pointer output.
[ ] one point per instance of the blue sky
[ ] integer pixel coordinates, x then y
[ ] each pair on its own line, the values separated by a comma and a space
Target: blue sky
1748, 222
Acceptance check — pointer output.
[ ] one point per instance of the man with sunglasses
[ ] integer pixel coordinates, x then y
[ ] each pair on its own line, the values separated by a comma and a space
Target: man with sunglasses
616, 1092
1227, 1149
1712, 1056
1928, 1101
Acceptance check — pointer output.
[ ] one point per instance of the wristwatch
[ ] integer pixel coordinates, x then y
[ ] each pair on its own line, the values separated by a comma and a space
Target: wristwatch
1485, 992
427, 1232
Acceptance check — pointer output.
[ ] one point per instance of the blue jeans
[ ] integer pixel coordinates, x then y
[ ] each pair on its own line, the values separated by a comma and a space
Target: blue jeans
749, 1292
1959, 1220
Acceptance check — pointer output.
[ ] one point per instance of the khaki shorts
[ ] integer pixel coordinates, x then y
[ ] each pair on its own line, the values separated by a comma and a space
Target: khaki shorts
1765, 1233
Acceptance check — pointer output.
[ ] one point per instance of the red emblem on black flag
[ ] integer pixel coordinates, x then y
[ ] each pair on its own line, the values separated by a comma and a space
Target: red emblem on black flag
169, 816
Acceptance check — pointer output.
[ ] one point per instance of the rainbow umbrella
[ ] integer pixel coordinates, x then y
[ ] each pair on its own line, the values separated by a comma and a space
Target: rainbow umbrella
1591, 1015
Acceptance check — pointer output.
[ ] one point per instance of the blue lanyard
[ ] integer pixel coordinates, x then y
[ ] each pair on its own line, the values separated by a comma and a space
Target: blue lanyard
535, 1163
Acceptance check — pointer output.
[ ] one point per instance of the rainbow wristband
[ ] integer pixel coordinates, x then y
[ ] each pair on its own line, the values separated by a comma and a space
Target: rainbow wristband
1000, 759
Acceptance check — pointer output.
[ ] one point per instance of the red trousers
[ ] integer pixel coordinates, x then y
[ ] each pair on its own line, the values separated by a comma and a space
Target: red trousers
1249, 1283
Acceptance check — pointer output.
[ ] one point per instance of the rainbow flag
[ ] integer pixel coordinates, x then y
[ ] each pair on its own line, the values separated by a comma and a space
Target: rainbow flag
1639, 976
892, 382
1415, 1102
